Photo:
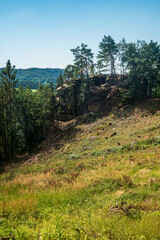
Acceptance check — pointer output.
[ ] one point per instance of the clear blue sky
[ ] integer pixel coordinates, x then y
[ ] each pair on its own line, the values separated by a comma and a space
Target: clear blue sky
40, 33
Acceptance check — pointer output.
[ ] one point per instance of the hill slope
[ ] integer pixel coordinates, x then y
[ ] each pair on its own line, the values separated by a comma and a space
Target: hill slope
99, 180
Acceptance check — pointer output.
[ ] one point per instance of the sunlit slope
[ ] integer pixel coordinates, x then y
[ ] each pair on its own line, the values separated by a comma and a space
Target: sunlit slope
99, 180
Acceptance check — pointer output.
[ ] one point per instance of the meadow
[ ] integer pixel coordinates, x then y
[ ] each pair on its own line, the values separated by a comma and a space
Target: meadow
96, 180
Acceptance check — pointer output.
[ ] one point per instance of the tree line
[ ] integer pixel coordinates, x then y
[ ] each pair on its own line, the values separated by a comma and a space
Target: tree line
25, 115
140, 61
34, 77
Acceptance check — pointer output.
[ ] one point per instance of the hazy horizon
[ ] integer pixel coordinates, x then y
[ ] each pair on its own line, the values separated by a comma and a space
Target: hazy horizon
40, 34
35, 68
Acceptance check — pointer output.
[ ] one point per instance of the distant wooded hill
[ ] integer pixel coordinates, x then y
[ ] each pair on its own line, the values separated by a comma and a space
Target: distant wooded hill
33, 77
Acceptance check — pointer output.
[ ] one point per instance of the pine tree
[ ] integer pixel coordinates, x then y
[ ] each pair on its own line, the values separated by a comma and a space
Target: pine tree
84, 64
150, 67
8, 81
108, 53
70, 74
83, 60
122, 46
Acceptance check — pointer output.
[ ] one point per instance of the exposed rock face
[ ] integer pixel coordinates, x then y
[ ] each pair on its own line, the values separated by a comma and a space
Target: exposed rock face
97, 97
94, 107
99, 92
102, 95
98, 80
66, 117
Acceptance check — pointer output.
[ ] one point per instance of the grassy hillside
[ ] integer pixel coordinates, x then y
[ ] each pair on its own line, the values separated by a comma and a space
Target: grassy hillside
95, 180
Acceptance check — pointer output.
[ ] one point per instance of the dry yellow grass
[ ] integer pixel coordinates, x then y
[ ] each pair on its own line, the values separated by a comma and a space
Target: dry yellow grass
82, 178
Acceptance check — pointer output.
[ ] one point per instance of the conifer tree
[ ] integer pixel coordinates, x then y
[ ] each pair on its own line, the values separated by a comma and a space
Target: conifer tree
70, 74
84, 64
83, 60
8, 81
108, 53
122, 46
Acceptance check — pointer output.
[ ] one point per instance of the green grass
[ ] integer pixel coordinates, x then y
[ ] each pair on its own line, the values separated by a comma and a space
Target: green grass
94, 187
33, 90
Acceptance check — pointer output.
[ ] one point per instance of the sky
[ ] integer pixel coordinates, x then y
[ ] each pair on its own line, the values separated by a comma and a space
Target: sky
40, 33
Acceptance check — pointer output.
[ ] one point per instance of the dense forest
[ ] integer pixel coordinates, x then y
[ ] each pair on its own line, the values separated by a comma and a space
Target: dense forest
34, 77
25, 115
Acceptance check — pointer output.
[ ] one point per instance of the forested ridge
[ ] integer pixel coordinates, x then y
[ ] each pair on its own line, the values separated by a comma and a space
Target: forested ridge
34, 77
25, 115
